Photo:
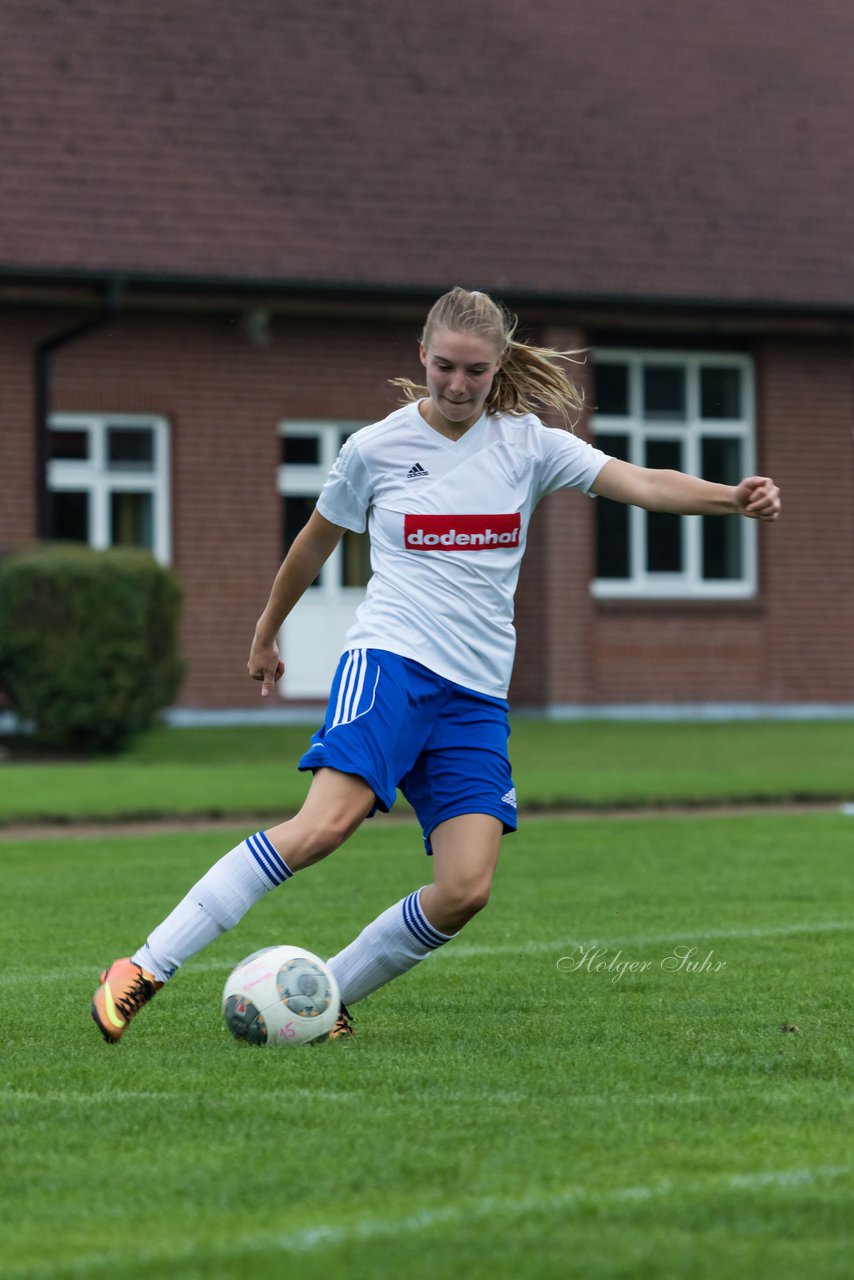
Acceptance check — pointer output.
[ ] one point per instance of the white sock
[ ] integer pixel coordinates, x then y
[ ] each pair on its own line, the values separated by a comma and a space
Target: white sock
215, 904
390, 945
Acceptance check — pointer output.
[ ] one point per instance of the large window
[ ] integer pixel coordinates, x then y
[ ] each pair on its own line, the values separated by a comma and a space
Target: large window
108, 481
308, 450
684, 412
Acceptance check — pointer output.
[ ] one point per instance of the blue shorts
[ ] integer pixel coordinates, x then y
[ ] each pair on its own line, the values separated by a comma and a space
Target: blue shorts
397, 724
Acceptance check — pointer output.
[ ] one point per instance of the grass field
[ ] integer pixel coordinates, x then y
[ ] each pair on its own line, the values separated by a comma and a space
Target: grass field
507, 1110
598, 764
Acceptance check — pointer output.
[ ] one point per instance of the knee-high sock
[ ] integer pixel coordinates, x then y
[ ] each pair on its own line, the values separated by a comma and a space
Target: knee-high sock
215, 904
390, 945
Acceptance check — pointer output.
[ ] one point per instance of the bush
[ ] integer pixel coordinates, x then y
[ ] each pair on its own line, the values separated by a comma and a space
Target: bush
88, 643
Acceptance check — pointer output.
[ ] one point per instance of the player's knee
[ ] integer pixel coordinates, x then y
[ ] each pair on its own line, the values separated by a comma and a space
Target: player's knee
328, 834
307, 838
467, 898
477, 898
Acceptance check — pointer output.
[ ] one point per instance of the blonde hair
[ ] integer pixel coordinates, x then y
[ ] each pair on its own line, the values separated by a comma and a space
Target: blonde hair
530, 378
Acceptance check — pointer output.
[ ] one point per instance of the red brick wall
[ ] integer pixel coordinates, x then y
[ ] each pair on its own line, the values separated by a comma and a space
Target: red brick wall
224, 397
805, 391
19, 333
794, 643
692, 653
553, 605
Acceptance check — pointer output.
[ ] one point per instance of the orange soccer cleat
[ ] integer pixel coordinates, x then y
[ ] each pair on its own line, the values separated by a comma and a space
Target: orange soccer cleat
125, 988
343, 1025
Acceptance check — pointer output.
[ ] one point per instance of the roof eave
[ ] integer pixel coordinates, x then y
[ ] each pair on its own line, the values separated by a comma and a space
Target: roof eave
269, 288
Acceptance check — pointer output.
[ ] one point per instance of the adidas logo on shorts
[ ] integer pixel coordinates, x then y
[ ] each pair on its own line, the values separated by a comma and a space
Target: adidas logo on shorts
417, 472
509, 797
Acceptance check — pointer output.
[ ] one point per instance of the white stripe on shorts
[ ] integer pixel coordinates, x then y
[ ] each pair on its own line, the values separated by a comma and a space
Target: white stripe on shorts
343, 688
352, 687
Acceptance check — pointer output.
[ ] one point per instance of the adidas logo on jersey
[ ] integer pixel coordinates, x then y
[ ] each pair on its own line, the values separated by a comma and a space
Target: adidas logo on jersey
509, 797
416, 472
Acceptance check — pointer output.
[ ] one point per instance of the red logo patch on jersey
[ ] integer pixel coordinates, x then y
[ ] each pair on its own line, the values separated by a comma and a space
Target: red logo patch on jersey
461, 533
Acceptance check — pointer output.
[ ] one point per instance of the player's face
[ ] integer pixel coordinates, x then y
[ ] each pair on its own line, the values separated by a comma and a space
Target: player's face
460, 370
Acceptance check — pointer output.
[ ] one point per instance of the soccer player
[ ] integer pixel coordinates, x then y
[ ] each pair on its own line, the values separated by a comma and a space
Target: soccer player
446, 486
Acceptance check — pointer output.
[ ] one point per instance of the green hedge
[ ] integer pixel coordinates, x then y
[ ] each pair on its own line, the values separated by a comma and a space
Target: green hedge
89, 649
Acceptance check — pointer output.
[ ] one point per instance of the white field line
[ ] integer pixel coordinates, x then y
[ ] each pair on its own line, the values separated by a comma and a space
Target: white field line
474, 1097
332, 1235
555, 946
77, 1097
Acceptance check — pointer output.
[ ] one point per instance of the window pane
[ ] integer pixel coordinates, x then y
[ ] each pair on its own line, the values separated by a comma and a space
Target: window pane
664, 392
612, 388
663, 531
72, 446
130, 449
355, 559
722, 549
720, 393
664, 454
612, 520
300, 451
69, 516
721, 458
132, 520
296, 509
723, 540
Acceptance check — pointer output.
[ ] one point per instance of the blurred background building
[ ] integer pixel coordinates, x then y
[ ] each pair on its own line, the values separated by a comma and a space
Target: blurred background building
221, 227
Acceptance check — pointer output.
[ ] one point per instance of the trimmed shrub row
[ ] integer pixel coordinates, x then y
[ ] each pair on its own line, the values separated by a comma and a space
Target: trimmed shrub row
89, 650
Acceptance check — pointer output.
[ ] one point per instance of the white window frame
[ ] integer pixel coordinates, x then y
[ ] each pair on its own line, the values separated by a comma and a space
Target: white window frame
93, 476
689, 583
302, 479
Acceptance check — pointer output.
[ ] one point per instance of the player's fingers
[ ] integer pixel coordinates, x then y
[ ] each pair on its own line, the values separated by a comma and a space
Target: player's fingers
764, 503
269, 678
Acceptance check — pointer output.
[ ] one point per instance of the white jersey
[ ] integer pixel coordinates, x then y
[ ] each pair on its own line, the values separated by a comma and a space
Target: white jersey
447, 522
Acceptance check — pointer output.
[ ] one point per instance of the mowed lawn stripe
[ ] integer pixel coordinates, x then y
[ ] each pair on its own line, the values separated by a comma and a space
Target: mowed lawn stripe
326, 1235
494, 1115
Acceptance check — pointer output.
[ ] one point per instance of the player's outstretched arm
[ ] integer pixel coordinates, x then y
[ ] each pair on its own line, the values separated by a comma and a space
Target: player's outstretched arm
756, 497
309, 551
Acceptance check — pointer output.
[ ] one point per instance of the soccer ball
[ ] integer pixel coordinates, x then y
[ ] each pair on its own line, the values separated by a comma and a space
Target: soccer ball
281, 996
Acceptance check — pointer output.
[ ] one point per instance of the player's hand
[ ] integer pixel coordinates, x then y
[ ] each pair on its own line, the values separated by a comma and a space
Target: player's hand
758, 497
265, 665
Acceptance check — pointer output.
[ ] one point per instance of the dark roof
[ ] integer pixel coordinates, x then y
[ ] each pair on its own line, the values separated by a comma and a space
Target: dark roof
625, 148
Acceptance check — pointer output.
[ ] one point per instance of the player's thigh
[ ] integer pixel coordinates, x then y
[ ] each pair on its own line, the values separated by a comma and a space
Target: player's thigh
337, 803
465, 855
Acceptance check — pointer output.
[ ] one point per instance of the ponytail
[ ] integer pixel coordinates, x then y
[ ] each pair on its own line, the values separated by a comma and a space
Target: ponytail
529, 379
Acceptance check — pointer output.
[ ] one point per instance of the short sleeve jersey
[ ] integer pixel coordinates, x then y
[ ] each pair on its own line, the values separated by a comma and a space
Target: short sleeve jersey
448, 522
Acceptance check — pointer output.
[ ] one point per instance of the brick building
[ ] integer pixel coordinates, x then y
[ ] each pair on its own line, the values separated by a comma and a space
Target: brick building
220, 230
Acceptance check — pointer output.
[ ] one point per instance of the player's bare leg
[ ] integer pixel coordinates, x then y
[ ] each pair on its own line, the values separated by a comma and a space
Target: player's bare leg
335, 806
465, 851
465, 855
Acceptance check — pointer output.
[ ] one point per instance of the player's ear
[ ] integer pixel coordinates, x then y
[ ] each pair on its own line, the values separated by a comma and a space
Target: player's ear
422, 354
